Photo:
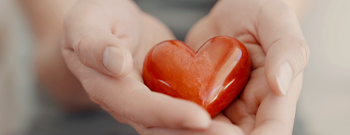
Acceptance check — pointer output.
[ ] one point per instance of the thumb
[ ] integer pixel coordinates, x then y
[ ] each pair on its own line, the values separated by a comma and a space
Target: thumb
287, 53
103, 52
98, 43
285, 59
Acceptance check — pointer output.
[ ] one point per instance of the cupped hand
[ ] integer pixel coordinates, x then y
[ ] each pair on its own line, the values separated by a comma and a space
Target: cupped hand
271, 32
104, 47
105, 43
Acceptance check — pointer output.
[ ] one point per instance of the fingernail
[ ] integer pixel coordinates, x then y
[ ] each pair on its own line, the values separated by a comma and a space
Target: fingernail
114, 60
284, 77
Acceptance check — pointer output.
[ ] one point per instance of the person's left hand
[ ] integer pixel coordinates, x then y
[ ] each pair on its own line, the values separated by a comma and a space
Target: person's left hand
271, 32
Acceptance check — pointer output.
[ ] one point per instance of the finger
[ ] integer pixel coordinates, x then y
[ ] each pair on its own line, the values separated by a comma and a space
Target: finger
222, 118
102, 51
276, 114
281, 37
242, 111
133, 100
89, 33
216, 128
138, 104
112, 113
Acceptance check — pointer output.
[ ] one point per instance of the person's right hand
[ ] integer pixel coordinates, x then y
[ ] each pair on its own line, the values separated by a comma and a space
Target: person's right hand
271, 33
105, 43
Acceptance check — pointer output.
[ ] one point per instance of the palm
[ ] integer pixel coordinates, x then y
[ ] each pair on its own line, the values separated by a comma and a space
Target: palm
127, 99
257, 110
257, 106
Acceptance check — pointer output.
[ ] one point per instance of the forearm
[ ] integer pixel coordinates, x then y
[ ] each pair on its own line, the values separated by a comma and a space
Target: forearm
46, 18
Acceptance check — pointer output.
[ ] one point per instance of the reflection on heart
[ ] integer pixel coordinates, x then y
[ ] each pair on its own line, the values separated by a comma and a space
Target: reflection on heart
211, 77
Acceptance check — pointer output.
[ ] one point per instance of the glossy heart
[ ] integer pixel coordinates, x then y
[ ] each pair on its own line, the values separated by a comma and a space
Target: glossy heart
211, 77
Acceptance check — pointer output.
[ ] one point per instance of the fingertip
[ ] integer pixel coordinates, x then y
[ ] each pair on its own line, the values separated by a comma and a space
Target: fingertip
198, 118
158, 110
222, 128
198, 123
222, 118
184, 114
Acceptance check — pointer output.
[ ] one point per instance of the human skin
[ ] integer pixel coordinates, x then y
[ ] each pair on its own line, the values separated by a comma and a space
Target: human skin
98, 82
121, 25
46, 19
271, 32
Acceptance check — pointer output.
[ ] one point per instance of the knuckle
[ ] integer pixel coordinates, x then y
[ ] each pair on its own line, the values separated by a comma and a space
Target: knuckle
80, 47
80, 43
303, 54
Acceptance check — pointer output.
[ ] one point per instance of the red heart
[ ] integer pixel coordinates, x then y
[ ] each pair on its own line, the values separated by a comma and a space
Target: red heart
211, 77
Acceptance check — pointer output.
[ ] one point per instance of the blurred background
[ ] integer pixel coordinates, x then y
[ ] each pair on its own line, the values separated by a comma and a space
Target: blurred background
323, 107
